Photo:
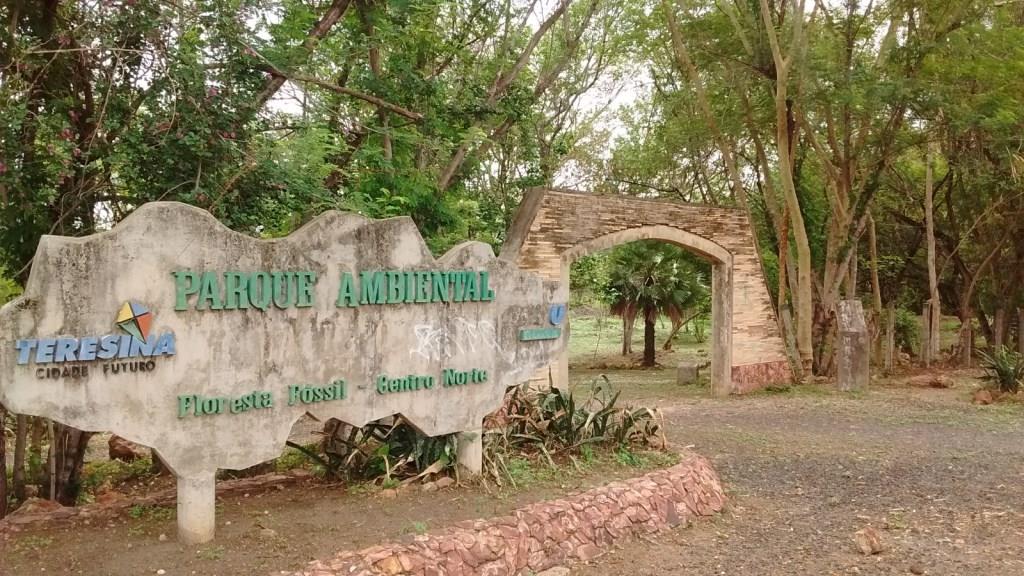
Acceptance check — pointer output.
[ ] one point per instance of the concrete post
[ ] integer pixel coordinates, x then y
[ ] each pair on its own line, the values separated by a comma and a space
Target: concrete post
470, 451
854, 352
721, 328
197, 499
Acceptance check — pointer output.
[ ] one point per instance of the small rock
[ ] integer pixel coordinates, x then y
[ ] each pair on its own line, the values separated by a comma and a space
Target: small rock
982, 397
162, 538
916, 569
124, 450
390, 566
556, 571
868, 541
161, 572
430, 487
389, 493
445, 482
268, 534
931, 381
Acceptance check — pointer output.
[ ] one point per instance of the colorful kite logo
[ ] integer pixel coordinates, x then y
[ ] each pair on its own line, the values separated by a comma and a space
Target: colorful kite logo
135, 319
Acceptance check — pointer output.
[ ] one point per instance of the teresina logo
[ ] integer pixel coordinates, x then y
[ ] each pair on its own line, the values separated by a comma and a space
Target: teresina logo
134, 319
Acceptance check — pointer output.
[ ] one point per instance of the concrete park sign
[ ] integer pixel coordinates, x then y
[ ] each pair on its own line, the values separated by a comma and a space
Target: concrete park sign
207, 345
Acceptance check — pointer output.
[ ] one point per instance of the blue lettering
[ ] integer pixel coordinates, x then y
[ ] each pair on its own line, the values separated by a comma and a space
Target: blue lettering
87, 348
124, 350
108, 347
165, 345
140, 348
25, 349
44, 352
65, 350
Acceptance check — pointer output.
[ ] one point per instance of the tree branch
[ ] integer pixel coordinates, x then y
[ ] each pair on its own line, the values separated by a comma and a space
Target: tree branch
319, 30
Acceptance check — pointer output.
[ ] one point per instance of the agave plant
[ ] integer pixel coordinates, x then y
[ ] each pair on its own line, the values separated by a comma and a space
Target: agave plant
1004, 367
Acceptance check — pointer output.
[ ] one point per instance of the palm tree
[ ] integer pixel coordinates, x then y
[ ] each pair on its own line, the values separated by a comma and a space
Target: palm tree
649, 278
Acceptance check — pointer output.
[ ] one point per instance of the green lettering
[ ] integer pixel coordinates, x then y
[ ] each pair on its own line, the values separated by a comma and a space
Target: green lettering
304, 286
261, 290
460, 286
235, 294
372, 287
440, 286
486, 293
284, 289
423, 287
346, 292
396, 286
184, 404
410, 287
471, 290
382, 385
209, 293
185, 283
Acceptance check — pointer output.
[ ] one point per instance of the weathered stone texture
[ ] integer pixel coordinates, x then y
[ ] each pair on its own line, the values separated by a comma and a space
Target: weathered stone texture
555, 227
854, 357
547, 534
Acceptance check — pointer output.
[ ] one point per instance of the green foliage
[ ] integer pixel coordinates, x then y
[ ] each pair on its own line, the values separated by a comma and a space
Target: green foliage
908, 330
1004, 368
155, 513
389, 450
100, 474
555, 420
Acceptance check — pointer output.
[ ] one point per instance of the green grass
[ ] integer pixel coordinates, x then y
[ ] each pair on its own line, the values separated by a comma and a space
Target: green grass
158, 513
597, 338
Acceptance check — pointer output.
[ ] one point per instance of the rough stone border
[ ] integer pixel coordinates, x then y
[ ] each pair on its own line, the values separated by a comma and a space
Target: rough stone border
546, 534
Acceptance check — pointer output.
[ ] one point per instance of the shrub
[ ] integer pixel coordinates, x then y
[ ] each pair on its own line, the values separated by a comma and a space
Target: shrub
553, 420
1004, 368
908, 330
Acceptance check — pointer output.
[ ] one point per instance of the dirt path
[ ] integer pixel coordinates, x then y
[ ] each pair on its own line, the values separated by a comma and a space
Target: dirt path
942, 480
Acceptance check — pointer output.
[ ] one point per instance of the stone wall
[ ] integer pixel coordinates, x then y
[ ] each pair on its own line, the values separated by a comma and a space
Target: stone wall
554, 227
546, 534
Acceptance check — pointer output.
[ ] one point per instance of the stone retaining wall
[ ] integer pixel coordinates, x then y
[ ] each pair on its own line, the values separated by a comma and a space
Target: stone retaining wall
546, 534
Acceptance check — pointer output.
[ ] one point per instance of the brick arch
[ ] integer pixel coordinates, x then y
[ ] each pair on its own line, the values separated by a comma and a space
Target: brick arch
554, 227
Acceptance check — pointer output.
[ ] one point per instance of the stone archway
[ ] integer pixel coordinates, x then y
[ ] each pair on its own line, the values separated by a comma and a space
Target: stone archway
555, 227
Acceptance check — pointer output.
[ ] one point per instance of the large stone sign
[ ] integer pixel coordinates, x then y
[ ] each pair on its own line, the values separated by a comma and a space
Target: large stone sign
207, 345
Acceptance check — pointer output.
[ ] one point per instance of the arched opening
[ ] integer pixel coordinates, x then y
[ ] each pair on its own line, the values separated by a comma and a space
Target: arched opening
721, 292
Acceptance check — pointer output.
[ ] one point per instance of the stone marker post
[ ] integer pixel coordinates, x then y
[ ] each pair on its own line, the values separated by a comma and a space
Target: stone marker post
854, 351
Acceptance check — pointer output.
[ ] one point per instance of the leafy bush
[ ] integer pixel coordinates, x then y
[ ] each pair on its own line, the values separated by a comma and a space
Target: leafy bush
908, 330
1004, 368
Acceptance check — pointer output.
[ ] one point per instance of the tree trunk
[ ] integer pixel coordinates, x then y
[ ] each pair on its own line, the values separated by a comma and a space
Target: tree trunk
876, 296
784, 132
926, 334
890, 338
3, 462
999, 328
649, 345
1020, 331
934, 304
35, 449
67, 448
18, 474
677, 325
966, 339
628, 323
